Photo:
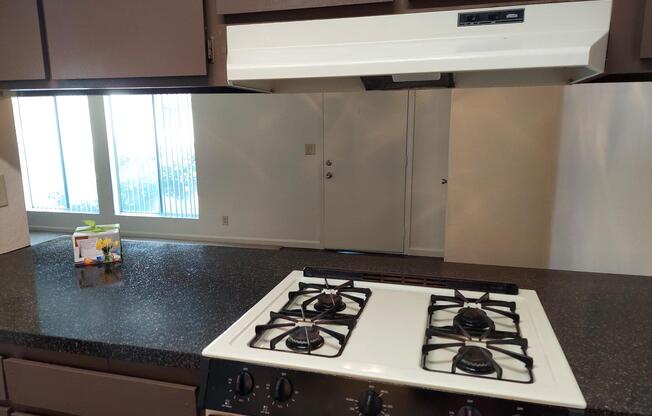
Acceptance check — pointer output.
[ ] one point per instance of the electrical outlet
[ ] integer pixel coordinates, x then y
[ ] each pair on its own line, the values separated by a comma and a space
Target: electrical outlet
4, 199
311, 149
225, 220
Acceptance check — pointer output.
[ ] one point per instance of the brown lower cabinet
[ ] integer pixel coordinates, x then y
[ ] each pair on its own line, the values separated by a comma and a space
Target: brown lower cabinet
4, 411
84, 392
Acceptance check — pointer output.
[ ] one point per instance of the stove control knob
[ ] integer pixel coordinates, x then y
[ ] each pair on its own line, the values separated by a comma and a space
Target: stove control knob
468, 411
370, 404
282, 389
244, 383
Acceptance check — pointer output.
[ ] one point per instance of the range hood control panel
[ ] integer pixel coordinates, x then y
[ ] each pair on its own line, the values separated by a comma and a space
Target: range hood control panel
491, 17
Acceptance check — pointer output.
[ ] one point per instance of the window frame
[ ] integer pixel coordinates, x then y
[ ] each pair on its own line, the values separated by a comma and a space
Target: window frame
114, 168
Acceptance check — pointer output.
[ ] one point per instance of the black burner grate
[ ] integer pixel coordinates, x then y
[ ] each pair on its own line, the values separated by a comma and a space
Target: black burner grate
326, 298
476, 338
314, 315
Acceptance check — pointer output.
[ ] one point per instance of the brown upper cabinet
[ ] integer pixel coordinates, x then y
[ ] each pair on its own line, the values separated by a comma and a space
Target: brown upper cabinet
252, 6
646, 40
630, 38
3, 393
21, 50
124, 38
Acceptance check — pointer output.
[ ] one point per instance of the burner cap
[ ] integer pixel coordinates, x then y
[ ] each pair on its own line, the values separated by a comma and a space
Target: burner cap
473, 318
476, 360
330, 302
303, 337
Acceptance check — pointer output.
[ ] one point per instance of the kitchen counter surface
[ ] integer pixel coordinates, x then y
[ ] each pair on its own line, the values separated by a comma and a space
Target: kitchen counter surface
169, 300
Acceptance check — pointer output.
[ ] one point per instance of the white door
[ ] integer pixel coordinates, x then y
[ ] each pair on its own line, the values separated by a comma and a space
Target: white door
364, 170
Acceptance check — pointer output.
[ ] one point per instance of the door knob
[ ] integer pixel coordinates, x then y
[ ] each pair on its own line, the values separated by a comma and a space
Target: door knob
444, 181
329, 175
329, 163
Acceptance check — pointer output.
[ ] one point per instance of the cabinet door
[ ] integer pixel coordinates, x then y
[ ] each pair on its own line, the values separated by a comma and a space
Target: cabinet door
249, 6
630, 27
3, 392
125, 38
646, 38
83, 392
4, 411
21, 51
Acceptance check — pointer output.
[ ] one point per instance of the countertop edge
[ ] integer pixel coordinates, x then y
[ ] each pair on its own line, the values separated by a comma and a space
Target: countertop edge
133, 354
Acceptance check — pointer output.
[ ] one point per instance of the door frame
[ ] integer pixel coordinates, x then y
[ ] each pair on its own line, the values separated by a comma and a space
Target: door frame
409, 156
410, 136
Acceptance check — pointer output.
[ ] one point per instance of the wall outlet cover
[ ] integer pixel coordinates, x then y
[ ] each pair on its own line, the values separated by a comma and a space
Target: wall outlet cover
4, 199
311, 149
225, 220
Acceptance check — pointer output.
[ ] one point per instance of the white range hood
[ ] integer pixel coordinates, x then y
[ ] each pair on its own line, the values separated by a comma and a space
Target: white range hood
534, 44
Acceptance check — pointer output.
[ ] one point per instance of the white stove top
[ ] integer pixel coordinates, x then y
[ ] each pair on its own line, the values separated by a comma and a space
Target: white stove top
385, 345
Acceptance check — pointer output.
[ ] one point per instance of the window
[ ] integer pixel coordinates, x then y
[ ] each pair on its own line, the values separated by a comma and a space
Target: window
152, 152
56, 153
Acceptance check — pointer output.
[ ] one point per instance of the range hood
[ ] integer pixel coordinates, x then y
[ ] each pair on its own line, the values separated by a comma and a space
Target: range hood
534, 44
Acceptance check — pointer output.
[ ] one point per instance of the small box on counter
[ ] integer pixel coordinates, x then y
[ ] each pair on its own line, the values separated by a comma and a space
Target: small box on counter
96, 244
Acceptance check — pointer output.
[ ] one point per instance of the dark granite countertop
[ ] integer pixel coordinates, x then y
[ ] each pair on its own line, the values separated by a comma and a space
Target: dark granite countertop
173, 299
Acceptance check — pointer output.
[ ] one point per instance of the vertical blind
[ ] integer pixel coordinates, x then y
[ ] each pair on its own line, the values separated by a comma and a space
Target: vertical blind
151, 143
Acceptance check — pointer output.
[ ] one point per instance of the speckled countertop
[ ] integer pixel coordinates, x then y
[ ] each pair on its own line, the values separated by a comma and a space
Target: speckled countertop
171, 300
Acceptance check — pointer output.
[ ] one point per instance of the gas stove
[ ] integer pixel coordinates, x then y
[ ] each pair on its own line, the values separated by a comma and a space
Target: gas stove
334, 342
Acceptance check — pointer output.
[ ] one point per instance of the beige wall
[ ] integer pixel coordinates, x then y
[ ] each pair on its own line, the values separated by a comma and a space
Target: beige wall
501, 175
552, 177
602, 219
251, 151
13, 218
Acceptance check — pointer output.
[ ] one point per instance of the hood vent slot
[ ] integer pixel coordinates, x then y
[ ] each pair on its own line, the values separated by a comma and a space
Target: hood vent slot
389, 82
